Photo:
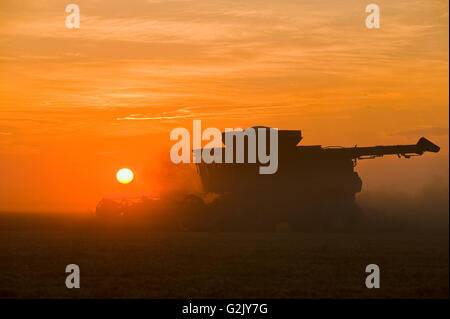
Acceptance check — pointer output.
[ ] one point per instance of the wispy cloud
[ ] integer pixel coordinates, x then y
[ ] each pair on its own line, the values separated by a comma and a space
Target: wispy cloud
423, 131
222, 59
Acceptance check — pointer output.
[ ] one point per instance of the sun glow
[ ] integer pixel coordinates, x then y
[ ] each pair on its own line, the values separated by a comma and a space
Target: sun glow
124, 175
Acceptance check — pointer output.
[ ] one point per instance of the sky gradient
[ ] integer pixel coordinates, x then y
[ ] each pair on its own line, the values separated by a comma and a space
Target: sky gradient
78, 104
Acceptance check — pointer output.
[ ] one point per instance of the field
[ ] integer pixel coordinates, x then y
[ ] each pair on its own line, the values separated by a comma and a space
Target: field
126, 263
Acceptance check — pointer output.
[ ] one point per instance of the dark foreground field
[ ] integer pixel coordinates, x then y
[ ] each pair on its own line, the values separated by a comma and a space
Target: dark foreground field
124, 263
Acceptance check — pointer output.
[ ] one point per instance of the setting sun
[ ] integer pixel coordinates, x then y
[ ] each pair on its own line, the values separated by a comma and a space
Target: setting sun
124, 175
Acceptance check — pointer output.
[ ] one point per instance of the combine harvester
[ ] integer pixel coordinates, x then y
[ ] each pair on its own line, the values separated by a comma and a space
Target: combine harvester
313, 188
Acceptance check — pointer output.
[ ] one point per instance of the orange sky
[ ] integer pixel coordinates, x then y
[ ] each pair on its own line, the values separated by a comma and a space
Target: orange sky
76, 105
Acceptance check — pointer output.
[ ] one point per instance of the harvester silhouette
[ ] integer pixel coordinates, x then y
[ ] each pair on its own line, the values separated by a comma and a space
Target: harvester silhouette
314, 187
